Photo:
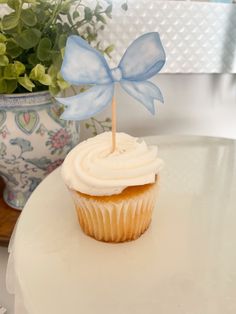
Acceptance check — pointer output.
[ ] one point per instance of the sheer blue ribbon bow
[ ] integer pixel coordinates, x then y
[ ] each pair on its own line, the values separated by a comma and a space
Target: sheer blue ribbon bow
84, 65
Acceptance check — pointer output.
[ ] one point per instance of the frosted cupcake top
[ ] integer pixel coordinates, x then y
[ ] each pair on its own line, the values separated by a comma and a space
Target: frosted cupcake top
92, 169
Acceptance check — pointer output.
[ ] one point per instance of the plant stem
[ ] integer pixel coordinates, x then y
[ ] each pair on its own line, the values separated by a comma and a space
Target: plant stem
54, 14
79, 23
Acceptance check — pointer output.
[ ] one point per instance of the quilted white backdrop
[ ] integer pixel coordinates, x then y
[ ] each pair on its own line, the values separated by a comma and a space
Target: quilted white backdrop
199, 37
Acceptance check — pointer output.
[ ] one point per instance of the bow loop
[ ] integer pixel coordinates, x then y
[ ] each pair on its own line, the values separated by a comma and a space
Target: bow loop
144, 58
84, 65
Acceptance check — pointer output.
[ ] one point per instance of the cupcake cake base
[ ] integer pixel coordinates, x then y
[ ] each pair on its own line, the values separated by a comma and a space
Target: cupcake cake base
116, 218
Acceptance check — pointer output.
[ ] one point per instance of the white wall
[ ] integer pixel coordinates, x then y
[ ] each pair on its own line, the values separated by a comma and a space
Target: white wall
202, 104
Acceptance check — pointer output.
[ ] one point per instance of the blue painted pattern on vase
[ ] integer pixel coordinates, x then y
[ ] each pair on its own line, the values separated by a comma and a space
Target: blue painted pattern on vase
33, 142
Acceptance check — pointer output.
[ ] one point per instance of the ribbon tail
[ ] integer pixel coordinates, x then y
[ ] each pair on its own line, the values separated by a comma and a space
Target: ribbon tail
145, 92
87, 104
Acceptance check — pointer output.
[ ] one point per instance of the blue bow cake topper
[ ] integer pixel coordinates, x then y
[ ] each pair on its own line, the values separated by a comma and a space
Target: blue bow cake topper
84, 65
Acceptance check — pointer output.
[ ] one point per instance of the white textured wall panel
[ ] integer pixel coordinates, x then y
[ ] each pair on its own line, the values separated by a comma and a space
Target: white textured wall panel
199, 37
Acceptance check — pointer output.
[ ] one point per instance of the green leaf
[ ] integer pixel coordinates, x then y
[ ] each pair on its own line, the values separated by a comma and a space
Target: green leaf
54, 90
15, 30
37, 72
11, 86
65, 8
75, 15
58, 28
10, 21
52, 71
28, 17
32, 59
2, 49
3, 1
3, 86
2, 38
30, 1
44, 49
41, 17
88, 14
66, 28
14, 4
57, 60
45, 79
13, 49
29, 38
62, 41
124, 6
19, 67
26, 83
10, 72
62, 52
61, 82
13, 70
4, 61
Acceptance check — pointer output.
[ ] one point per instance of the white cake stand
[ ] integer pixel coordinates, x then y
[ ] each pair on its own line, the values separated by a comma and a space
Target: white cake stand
184, 264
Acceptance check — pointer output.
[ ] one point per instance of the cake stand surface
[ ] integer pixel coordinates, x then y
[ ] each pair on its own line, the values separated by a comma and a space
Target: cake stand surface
184, 264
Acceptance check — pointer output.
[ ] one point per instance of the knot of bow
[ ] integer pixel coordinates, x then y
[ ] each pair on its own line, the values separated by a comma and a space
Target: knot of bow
84, 65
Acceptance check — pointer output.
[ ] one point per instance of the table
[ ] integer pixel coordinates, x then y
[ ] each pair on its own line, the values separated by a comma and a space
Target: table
184, 263
8, 218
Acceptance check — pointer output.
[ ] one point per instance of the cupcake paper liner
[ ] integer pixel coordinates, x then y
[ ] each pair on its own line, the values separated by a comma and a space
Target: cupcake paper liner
116, 218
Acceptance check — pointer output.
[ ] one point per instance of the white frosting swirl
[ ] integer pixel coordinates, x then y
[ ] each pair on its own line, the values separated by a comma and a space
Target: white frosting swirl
92, 169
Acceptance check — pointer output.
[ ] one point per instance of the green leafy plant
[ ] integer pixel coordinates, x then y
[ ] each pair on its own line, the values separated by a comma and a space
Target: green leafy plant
33, 36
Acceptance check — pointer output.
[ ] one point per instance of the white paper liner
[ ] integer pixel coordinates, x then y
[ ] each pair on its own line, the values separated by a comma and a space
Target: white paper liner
116, 221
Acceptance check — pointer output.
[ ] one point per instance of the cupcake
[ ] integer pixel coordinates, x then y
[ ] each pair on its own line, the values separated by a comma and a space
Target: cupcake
114, 193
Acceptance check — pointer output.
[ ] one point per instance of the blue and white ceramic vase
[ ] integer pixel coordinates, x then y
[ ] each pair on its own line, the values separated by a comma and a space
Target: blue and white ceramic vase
33, 142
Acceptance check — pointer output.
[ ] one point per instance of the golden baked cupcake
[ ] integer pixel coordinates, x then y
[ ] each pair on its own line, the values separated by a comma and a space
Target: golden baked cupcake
114, 193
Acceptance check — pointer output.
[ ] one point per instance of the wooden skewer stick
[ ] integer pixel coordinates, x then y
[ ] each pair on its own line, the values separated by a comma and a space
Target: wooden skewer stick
113, 115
